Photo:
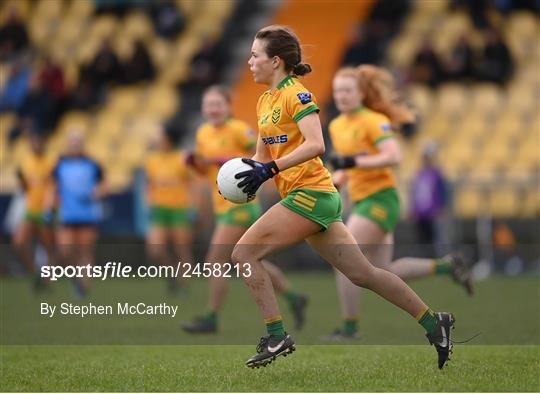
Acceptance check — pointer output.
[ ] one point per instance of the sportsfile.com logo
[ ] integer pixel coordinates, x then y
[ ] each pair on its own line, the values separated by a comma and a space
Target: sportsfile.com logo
277, 139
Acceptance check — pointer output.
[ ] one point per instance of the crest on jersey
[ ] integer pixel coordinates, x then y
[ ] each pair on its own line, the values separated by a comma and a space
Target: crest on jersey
276, 115
385, 127
304, 97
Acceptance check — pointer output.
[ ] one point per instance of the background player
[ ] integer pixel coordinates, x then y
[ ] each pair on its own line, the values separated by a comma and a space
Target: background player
34, 175
171, 215
79, 184
222, 138
366, 152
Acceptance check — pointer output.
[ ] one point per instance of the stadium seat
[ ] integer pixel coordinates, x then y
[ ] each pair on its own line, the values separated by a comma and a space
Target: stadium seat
403, 49
431, 8
137, 25
161, 101
531, 202
503, 202
22, 7
124, 100
452, 99
49, 9
421, 98
80, 9
102, 27
9, 182
486, 98
161, 52
449, 30
468, 202
109, 125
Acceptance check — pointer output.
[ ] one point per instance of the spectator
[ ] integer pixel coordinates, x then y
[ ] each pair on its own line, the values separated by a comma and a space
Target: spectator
118, 8
429, 197
105, 68
52, 78
13, 35
496, 64
167, 18
363, 48
461, 62
139, 67
426, 67
84, 96
16, 87
38, 105
204, 66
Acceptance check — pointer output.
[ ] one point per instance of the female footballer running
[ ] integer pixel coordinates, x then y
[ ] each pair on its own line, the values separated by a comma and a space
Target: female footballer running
367, 151
222, 138
310, 208
35, 173
171, 214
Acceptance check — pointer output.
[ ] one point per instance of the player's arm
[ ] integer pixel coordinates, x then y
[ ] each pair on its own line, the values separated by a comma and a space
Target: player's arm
261, 152
51, 196
22, 181
339, 178
101, 188
265, 168
313, 145
389, 155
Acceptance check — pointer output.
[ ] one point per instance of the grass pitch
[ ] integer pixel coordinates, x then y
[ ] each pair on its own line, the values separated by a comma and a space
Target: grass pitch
311, 368
116, 353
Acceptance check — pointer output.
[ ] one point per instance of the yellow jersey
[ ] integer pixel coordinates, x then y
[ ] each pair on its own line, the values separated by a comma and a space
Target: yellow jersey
277, 115
233, 139
167, 178
35, 172
359, 133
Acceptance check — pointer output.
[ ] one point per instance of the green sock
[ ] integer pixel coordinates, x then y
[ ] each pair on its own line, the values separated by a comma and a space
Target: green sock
211, 317
442, 267
350, 326
291, 297
428, 320
275, 327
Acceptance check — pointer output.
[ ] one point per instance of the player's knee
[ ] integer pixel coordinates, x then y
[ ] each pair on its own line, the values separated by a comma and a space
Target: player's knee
19, 243
156, 252
363, 277
239, 255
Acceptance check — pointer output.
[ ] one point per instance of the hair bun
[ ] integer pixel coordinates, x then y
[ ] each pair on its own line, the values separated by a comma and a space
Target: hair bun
301, 69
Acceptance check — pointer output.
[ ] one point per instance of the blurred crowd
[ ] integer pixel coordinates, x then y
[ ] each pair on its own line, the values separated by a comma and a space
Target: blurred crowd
36, 90
491, 61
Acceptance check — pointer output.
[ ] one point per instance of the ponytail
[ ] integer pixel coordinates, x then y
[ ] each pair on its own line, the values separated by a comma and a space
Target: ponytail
381, 95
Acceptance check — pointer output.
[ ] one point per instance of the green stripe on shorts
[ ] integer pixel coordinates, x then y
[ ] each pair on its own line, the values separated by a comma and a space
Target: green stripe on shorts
323, 208
171, 217
34, 217
243, 215
381, 207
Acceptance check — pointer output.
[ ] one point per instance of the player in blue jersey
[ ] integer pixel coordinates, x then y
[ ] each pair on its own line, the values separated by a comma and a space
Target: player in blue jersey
79, 185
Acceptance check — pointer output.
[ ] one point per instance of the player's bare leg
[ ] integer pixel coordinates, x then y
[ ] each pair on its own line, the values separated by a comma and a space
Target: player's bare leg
339, 248
157, 249
182, 239
223, 241
22, 244
377, 246
221, 246
278, 228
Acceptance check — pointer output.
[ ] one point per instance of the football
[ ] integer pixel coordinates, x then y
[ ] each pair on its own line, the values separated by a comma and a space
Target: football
228, 184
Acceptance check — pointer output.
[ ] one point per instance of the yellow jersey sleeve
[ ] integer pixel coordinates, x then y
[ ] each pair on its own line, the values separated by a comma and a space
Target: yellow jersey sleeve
300, 102
200, 141
378, 128
245, 136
